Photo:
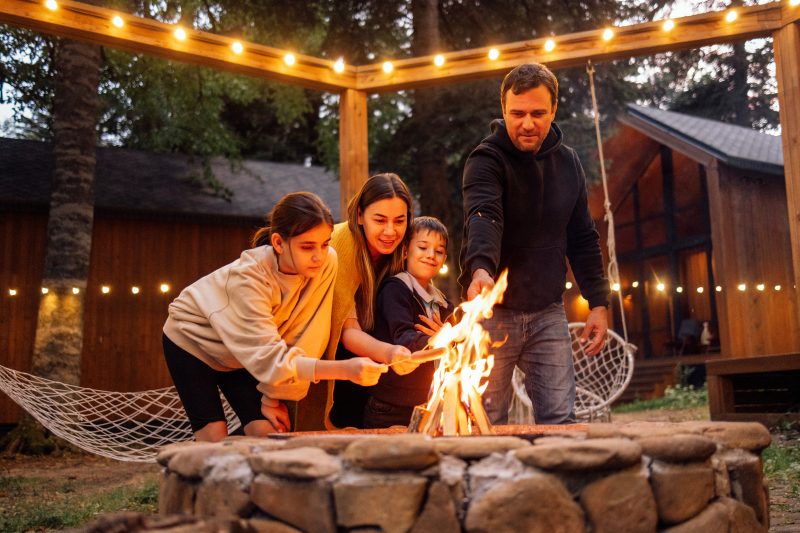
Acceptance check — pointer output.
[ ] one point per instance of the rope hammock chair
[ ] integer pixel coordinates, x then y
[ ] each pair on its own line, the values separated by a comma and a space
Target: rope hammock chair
600, 379
132, 426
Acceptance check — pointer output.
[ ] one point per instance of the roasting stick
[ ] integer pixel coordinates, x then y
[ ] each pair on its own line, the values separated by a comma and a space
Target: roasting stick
423, 356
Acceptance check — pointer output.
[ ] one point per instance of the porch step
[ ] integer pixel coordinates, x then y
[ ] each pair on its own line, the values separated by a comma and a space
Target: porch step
651, 377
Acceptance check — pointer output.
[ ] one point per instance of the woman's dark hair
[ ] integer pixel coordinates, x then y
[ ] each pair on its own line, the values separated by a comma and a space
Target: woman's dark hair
294, 214
378, 187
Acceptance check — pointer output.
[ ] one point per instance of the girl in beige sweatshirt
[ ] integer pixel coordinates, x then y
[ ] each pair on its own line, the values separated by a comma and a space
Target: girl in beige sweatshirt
257, 327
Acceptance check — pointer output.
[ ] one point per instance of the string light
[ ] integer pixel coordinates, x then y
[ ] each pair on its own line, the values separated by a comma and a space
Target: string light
164, 288
669, 25
438, 60
76, 290
661, 287
568, 285
12, 292
549, 45
679, 290
339, 65
608, 34
117, 21
700, 290
45, 290
731, 16
388, 67
444, 270
135, 290
105, 289
289, 59
180, 34
52, 5
635, 284
494, 53
742, 287
760, 287
615, 287
718, 288
237, 47
794, 3
778, 287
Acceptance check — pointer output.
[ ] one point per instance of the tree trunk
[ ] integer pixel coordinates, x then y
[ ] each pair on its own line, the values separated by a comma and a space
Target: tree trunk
436, 193
59, 327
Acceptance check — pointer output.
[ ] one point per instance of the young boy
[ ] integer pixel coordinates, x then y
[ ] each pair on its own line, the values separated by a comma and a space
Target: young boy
401, 303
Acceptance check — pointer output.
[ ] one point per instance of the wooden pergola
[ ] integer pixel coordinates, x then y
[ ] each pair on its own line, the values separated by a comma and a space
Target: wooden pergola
779, 20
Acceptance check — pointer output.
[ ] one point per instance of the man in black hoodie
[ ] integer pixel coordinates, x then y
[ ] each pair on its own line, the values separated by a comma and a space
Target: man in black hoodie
525, 209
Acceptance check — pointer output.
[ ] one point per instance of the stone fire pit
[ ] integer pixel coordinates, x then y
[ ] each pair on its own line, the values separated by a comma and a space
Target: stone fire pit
691, 476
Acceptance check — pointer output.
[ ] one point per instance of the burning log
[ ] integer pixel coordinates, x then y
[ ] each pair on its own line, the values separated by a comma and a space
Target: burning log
454, 406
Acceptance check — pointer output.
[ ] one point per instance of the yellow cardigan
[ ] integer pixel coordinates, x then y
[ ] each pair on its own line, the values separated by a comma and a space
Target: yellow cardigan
312, 411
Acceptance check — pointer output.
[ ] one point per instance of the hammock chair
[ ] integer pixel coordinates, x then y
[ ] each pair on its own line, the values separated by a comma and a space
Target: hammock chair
132, 426
600, 379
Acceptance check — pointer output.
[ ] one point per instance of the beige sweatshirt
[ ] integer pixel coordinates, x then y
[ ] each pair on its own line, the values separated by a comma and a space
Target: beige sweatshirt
250, 315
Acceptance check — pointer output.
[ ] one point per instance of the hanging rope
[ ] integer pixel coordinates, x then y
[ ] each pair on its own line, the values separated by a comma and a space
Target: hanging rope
611, 244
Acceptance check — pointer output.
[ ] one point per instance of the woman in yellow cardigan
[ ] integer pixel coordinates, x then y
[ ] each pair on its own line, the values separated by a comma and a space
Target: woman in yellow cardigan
370, 247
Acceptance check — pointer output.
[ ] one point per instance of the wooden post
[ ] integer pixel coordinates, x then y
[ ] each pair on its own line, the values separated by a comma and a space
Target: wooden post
353, 147
786, 43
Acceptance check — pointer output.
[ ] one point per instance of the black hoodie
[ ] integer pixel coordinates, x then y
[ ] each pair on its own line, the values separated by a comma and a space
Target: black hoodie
527, 212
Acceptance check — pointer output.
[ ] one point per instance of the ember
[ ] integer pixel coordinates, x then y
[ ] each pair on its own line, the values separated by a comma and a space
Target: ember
454, 406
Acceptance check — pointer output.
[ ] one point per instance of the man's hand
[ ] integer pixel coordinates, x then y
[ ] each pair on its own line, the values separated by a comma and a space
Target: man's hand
364, 371
431, 326
480, 280
595, 331
277, 415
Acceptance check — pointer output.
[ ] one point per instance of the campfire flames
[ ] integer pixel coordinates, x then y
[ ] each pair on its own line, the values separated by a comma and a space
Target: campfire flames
454, 406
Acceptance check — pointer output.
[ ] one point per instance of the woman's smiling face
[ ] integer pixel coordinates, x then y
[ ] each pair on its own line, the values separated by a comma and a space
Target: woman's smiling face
385, 223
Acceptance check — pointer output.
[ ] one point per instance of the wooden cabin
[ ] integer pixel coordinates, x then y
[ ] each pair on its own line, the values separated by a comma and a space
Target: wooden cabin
702, 238
153, 225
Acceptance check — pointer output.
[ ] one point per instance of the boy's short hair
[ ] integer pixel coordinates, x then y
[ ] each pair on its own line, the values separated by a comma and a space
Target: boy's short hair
431, 224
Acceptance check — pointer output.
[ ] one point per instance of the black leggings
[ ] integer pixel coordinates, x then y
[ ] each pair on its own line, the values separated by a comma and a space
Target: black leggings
198, 386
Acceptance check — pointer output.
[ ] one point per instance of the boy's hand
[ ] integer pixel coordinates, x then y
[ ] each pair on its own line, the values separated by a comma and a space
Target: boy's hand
278, 416
400, 359
431, 327
364, 371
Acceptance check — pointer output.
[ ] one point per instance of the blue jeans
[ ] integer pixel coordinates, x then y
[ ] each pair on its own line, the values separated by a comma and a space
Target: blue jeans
539, 344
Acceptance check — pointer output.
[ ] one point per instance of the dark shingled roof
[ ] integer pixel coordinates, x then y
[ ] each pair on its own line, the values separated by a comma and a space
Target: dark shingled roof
135, 181
736, 146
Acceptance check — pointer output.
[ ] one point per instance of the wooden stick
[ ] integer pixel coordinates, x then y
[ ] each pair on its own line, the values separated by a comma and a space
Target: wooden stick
423, 356
476, 408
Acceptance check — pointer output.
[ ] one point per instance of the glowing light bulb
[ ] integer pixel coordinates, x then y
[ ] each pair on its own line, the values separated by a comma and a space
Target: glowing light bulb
700, 290
661, 287
669, 25
388, 67
568, 285
237, 47
12, 292
339, 66
105, 289
615, 287
549, 45
52, 5
444, 270
635, 284
45, 290
135, 290
778, 287
117, 21
608, 34
742, 287
289, 59
679, 289
180, 34
164, 288
731, 16
718, 288
438, 60
494, 53
76, 290
794, 3
760, 287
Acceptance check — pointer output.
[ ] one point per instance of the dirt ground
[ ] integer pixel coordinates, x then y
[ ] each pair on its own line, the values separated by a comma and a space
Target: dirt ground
44, 481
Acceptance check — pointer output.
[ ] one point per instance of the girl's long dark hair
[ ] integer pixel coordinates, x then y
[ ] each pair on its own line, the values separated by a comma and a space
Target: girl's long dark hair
294, 214
378, 187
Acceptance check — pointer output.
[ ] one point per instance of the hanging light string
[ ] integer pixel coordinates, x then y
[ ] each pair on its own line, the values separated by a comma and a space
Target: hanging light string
613, 266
